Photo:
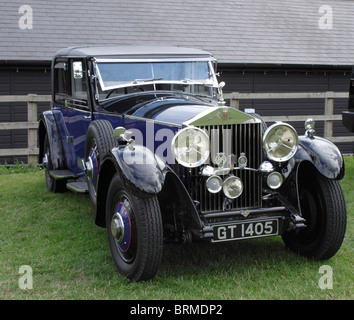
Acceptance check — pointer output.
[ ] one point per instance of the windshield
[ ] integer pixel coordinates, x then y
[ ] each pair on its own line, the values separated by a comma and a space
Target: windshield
191, 76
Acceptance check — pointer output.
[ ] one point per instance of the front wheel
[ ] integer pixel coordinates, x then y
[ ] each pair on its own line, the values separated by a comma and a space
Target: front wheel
323, 206
134, 230
99, 141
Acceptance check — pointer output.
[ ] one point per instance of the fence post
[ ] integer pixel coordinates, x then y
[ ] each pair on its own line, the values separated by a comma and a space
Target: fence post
329, 109
32, 133
235, 103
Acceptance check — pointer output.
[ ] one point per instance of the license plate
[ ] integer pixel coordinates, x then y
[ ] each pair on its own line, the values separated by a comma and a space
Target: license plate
245, 230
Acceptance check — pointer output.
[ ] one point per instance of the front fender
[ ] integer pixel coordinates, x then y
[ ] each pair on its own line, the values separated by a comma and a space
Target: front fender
140, 168
141, 177
323, 154
145, 174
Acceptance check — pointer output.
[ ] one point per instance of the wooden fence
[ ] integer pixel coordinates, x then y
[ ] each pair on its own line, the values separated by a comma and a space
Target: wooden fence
32, 123
328, 116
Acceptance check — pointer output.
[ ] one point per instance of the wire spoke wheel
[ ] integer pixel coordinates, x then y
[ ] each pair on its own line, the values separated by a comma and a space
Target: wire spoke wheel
134, 230
123, 228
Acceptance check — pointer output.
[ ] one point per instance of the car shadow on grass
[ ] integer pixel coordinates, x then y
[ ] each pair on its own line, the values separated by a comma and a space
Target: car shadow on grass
205, 257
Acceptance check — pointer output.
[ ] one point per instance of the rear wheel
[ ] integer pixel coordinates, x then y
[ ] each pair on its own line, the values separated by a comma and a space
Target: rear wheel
134, 229
53, 185
323, 207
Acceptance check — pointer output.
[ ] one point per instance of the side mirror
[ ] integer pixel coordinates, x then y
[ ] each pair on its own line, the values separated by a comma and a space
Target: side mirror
119, 132
77, 70
124, 135
310, 128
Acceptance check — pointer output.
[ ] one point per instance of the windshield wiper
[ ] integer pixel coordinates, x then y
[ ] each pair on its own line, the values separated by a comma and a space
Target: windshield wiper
186, 80
146, 80
190, 81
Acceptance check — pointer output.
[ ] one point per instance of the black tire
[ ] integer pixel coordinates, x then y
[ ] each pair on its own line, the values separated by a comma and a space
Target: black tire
323, 206
99, 141
53, 185
139, 259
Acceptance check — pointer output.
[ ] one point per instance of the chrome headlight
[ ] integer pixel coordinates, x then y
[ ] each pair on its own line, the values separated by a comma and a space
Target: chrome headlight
280, 142
191, 147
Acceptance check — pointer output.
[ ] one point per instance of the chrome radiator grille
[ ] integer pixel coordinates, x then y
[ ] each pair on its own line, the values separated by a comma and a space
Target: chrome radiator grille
231, 139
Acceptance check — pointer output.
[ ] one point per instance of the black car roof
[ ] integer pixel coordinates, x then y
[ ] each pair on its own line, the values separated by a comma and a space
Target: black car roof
125, 51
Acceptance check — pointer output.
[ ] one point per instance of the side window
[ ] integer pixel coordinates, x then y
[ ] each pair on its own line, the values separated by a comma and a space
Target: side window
61, 81
78, 81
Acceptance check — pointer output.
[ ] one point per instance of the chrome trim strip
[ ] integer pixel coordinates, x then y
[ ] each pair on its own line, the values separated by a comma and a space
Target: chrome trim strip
168, 124
151, 60
224, 214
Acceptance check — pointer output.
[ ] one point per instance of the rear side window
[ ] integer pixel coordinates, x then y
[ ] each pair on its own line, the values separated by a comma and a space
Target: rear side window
61, 81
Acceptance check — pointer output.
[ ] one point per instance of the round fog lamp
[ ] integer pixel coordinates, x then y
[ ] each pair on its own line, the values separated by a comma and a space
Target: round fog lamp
275, 180
214, 184
233, 187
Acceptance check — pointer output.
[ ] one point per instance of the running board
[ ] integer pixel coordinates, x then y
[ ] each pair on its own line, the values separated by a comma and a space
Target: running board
77, 186
63, 174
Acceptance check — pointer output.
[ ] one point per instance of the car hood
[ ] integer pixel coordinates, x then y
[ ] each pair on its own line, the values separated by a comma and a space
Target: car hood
185, 112
171, 110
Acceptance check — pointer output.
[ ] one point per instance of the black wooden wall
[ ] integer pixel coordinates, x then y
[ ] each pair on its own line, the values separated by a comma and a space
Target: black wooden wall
20, 81
23, 80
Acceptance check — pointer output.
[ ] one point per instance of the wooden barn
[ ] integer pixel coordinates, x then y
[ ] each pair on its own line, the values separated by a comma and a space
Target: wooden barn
276, 46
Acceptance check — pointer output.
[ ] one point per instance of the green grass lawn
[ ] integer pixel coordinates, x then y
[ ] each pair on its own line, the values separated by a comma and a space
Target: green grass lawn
56, 236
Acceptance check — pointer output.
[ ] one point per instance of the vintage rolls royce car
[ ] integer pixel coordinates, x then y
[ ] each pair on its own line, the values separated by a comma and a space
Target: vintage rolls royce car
146, 132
